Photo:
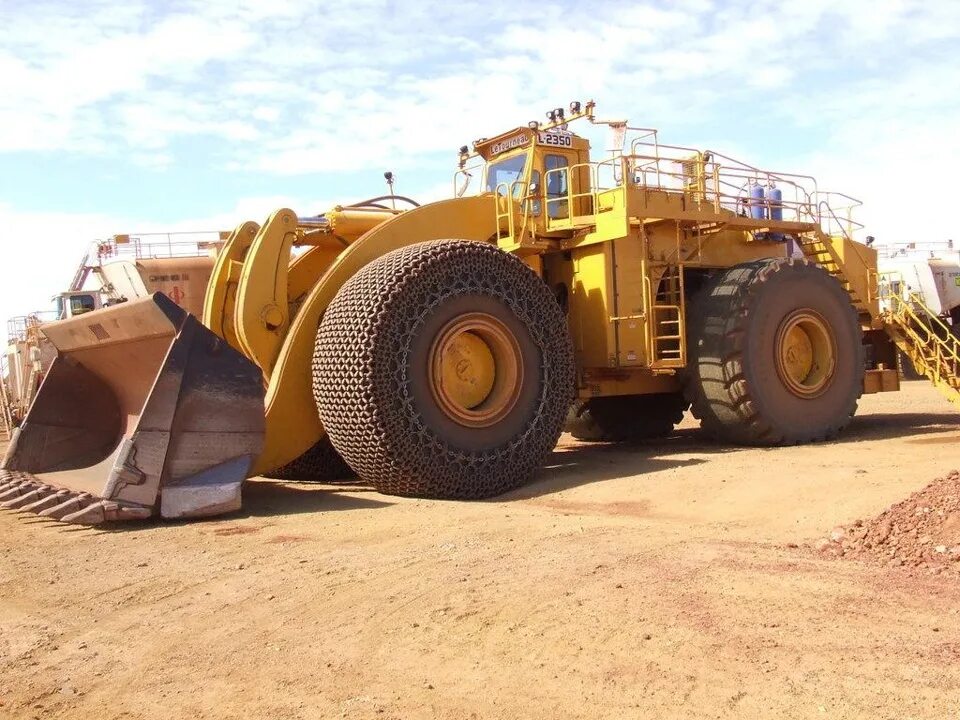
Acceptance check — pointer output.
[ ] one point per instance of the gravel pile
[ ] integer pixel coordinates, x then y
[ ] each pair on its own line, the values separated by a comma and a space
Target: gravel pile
921, 532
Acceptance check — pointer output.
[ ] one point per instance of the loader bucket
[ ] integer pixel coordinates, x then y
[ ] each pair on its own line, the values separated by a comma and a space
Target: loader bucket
144, 411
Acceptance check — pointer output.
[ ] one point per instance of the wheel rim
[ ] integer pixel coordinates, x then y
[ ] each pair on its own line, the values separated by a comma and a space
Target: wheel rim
476, 370
805, 353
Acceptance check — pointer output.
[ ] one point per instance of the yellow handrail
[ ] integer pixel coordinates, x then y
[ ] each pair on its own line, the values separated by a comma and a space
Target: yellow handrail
931, 344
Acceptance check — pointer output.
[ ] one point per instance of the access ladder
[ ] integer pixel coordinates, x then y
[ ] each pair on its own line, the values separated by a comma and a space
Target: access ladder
6, 416
927, 340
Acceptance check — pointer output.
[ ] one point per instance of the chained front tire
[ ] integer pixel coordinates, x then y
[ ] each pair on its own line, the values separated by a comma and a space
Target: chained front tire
444, 369
775, 354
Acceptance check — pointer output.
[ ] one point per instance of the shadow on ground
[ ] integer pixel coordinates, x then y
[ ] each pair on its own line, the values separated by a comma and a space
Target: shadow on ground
574, 463
261, 498
264, 498
571, 464
894, 425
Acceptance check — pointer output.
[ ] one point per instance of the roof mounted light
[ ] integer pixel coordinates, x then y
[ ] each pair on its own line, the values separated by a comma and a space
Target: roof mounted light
552, 115
559, 113
533, 125
575, 107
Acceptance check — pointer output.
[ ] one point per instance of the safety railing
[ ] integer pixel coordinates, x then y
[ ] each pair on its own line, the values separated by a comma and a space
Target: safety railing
562, 207
926, 249
6, 411
707, 178
160, 245
142, 246
931, 343
835, 213
514, 199
20, 327
712, 179
726, 184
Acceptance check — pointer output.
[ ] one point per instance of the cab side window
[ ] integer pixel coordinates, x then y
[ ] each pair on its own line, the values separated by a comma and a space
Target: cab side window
557, 178
80, 304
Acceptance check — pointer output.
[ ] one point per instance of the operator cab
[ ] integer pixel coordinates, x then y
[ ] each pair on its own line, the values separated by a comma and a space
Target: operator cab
71, 304
545, 168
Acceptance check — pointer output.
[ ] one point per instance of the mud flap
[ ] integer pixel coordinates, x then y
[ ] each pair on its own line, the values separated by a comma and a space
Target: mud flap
143, 412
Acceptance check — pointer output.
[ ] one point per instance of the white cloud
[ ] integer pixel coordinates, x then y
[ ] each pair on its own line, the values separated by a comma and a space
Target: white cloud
302, 88
292, 88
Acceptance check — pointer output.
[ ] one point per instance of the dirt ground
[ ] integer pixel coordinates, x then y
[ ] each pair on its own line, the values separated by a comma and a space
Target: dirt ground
647, 581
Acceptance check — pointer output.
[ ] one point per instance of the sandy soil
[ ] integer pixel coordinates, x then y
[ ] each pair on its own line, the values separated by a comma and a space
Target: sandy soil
628, 582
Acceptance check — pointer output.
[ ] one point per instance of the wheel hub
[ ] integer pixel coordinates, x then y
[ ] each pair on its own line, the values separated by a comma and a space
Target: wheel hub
805, 353
476, 369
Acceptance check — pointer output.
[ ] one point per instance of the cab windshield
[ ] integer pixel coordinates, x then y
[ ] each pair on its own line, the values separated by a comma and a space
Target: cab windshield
506, 172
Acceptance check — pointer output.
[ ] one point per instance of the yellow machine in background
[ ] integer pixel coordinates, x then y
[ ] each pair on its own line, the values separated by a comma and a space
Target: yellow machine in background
438, 351
122, 268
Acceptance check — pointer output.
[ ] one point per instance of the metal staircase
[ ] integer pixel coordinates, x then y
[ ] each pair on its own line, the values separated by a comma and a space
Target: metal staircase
923, 337
917, 331
6, 417
817, 246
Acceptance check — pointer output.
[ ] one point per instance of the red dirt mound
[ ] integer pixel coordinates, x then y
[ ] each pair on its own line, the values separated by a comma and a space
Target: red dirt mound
920, 532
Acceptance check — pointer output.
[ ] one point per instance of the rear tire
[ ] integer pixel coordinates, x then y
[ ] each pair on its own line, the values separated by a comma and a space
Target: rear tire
444, 369
321, 463
775, 354
625, 418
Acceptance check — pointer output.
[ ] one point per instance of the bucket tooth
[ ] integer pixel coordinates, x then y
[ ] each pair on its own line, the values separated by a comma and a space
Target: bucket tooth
10, 483
70, 505
27, 498
12, 477
17, 490
15, 484
92, 514
48, 501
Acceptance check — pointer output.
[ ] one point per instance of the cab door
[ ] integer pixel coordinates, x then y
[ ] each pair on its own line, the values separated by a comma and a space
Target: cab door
563, 161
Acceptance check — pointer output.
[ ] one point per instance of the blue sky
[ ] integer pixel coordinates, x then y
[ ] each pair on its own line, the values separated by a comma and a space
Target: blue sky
197, 114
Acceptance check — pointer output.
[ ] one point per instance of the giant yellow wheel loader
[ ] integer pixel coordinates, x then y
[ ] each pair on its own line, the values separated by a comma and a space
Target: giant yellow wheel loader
439, 350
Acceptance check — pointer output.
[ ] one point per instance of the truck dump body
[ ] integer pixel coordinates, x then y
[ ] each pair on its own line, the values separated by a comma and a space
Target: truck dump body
182, 279
143, 411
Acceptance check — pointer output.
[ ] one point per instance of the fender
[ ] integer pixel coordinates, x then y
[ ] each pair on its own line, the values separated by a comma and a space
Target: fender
292, 425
